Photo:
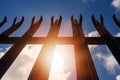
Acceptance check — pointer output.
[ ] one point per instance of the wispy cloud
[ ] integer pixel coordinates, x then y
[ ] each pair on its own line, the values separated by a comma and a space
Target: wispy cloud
118, 77
116, 4
109, 62
3, 52
58, 69
117, 35
93, 34
21, 67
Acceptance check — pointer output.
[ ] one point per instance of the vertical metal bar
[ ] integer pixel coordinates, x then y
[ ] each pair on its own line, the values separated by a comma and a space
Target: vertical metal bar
41, 68
84, 65
111, 42
11, 55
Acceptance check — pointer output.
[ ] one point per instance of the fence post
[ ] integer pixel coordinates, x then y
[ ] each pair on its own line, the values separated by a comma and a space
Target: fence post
84, 65
41, 68
109, 40
14, 51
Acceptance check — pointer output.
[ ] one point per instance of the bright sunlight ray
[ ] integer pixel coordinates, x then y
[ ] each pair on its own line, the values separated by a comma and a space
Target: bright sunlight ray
61, 64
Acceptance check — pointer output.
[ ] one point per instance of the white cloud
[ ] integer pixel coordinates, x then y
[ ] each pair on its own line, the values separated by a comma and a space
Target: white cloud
61, 68
92, 47
118, 77
1, 54
116, 4
22, 66
58, 69
93, 34
117, 35
109, 62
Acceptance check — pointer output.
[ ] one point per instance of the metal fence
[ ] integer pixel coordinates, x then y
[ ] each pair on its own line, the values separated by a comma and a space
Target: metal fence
84, 65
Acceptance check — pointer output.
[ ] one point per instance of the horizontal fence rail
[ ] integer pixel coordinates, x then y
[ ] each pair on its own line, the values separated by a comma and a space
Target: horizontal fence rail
57, 40
84, 65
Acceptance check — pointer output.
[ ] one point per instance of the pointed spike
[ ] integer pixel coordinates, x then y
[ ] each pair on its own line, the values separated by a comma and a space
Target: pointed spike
93, 19
80, 20
52, 20
15, 18
33, 19
14, 21
5, 19
22, 18
114, 18
116, 21
96, 22
60, 19
101, 19
52, 17
41, 18
72, 17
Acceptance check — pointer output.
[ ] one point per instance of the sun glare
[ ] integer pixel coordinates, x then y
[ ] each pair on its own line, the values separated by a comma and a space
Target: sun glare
61, 65
58, 60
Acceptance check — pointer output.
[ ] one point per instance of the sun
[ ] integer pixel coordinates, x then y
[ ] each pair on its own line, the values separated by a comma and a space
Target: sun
58, 60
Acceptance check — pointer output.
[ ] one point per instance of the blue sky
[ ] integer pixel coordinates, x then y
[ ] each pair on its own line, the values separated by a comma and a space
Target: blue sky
66, 8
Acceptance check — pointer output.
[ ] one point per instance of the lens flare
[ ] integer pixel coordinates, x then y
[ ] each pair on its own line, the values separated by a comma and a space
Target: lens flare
58, 69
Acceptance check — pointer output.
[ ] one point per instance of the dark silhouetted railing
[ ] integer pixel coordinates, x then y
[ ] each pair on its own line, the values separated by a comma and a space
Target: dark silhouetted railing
84, 65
